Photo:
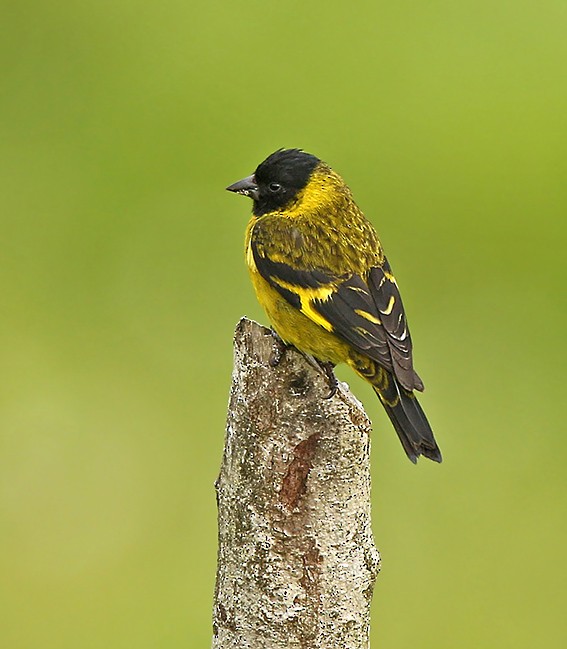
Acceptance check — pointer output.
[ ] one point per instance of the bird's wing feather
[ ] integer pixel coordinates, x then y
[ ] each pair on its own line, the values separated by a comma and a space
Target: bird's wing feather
386, 295
342, 305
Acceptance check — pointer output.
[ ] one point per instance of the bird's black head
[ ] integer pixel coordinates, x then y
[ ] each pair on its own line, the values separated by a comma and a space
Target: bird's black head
277, 180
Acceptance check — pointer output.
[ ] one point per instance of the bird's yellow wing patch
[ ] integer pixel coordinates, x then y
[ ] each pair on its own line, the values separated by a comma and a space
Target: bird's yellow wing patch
367, 316
307, 296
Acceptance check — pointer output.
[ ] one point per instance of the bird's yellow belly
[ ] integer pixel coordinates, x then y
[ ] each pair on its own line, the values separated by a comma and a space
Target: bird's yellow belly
295, 328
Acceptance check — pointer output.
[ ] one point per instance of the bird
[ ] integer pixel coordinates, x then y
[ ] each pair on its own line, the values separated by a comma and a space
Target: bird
320, 273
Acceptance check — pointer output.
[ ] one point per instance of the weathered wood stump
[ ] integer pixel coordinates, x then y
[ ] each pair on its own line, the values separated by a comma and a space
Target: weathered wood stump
296, 562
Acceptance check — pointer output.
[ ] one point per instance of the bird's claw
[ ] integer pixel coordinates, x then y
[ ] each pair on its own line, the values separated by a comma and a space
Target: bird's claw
327, 368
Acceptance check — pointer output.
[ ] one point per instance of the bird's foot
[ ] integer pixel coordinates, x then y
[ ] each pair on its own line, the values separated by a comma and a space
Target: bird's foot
327, 368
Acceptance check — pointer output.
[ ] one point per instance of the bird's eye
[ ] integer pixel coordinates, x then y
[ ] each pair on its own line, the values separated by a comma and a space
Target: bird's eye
275, 187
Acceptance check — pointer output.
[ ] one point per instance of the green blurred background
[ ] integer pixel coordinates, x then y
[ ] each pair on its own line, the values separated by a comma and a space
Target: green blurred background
122, 278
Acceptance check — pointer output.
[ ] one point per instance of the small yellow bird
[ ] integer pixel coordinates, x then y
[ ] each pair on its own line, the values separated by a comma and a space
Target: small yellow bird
321, 275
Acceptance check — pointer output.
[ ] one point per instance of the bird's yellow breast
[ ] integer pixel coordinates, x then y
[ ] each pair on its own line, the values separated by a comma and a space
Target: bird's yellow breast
292, 326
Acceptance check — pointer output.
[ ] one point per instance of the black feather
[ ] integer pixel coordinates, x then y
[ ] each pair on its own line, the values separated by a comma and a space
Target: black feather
390, 306
272, 271
410, 422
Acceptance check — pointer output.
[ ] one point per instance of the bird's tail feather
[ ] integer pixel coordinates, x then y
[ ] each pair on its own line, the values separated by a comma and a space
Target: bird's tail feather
411, 424
405, 413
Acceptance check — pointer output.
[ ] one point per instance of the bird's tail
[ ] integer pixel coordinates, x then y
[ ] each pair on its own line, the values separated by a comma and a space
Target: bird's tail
404, 411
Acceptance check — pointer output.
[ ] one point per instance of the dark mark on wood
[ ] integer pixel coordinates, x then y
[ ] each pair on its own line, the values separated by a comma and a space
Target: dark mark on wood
294, 482
309, 626
299, 384
310, 579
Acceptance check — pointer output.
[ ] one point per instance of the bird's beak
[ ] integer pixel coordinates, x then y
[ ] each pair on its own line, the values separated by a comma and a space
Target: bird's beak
246, 187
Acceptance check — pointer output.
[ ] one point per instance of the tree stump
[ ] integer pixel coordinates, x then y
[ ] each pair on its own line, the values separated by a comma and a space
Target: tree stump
296, 561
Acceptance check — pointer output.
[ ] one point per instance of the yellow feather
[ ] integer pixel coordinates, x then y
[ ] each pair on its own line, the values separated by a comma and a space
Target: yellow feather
310, 312
367, 316
307, 295
390, 306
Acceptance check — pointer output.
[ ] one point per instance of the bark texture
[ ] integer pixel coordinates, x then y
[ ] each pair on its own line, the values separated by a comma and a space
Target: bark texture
297, 562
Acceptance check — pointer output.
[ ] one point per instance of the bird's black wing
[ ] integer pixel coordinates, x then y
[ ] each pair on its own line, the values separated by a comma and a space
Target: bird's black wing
368, 314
